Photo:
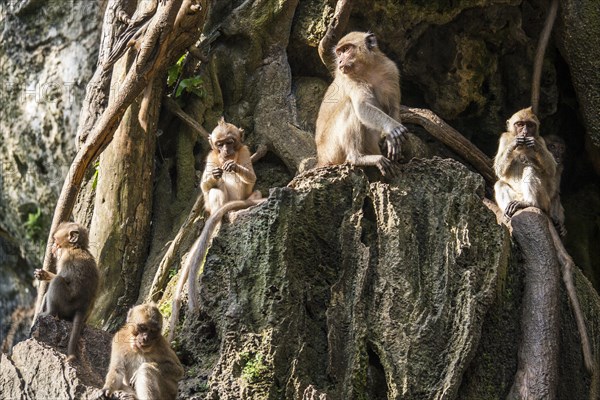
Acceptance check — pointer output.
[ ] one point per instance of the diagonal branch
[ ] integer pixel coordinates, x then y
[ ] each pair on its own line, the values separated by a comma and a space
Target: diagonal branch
451, 138
160, 46
336, 27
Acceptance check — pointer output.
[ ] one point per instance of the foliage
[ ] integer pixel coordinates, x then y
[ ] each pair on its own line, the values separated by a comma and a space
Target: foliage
33, 225
194, 84
255, 369
96, 173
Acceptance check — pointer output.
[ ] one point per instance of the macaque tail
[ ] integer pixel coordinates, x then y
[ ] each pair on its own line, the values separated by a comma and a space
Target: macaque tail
197, 254
75, 335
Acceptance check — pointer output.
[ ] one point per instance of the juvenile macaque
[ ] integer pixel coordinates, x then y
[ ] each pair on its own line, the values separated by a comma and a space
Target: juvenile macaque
361, 107
227, 185
228, 174
556, 145
142, 364
72, 290
525, 168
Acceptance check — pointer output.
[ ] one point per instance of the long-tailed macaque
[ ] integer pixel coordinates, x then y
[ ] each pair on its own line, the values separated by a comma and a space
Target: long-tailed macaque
360, 107
228, 174
525, 168
227, 185
556, 145
72, 290
142, 363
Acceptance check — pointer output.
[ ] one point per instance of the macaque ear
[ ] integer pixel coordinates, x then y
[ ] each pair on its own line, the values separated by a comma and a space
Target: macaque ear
73, 236
222, 121
129, 314
371, 41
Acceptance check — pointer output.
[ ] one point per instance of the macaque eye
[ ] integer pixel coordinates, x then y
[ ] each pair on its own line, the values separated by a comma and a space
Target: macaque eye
341, 50
520, 124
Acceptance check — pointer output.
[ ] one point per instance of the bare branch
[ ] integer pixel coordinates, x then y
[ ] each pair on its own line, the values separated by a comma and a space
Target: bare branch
451, 138
162, 43
539, 56
173, 107
336, 27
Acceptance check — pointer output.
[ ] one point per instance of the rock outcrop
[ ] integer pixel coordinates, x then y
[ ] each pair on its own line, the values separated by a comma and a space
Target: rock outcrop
346, 288
37, 367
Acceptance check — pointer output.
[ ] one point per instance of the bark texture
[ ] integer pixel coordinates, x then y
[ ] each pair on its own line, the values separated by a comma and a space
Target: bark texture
537, 374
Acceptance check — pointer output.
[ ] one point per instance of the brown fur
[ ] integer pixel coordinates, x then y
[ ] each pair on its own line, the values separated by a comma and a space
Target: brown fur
72, 290
228, 174
525, 168
142, 363
227, 185
361, 106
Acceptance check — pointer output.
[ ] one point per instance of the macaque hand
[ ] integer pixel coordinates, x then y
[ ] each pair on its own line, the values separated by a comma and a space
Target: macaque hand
42, 275
393, 141
217, 173
529, 141
560, 228
520, 141
230, 166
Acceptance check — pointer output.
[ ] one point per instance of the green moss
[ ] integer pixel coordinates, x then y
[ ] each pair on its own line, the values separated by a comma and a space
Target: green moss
254, 367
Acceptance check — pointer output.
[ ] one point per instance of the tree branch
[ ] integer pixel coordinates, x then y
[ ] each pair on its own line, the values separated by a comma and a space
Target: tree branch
451, 138
539, 56
159, 49
173, 107
336, 27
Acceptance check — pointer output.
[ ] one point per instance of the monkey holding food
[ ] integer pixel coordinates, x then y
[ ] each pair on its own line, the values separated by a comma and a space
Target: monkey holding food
525, 168
227, 185
72, 290
228, 174
360, 107
142, 364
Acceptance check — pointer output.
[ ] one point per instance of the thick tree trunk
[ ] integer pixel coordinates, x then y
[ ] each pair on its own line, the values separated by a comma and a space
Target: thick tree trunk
537, 374
122, 212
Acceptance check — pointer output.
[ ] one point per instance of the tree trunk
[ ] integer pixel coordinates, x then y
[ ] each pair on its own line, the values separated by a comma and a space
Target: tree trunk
122, 212
537, 373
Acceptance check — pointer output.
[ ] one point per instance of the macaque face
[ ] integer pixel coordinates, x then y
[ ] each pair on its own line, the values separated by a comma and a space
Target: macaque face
557, 150
145, 327
346, 56
56, 250
226, 140
144, 336
525, 128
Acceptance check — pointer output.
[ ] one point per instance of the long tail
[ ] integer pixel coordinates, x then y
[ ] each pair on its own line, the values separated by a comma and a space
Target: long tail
197, 254
539, 56
75, 334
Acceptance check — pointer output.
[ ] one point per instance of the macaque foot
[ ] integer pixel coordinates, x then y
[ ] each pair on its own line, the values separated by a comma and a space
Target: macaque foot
513, 207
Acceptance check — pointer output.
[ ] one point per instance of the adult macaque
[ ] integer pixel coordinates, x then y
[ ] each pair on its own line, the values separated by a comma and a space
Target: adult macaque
72, 290
361, 107
525, 168
142, 364
228, 174
556, 145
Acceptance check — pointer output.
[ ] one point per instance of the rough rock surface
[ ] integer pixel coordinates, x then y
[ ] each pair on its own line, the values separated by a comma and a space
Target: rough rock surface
361, 290
46, 59
37, 367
